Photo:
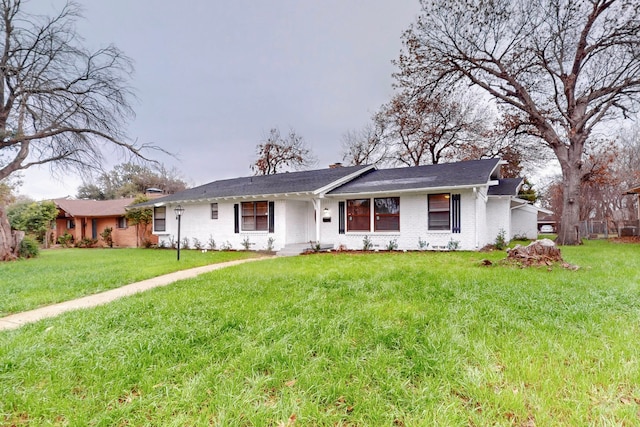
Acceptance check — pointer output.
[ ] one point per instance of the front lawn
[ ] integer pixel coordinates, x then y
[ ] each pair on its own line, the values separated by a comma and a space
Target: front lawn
63, 274
416, 339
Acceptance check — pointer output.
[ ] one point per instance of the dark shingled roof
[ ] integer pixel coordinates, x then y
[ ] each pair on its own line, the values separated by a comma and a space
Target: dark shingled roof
506, 187
281, 183
473, 172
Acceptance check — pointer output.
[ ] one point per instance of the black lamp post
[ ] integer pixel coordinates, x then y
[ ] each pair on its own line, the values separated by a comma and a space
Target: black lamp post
179, 210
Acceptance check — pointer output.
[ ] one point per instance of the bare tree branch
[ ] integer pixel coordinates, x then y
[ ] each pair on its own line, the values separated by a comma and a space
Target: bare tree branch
565, 67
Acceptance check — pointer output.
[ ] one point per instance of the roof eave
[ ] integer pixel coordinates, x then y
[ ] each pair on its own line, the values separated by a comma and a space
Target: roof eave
408, 190
293, 195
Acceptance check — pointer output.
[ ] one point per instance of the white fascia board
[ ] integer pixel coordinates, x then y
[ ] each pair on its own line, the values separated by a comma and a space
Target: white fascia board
335, 184
498, 165
301, 195
405, 191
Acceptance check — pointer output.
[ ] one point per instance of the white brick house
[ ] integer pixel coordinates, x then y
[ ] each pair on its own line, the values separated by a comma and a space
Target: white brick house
465, 204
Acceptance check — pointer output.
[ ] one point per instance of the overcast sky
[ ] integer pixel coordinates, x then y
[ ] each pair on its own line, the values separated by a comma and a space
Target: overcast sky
212, 77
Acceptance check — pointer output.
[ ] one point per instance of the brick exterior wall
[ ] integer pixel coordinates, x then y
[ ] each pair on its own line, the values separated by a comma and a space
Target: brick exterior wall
122, 237
295, 223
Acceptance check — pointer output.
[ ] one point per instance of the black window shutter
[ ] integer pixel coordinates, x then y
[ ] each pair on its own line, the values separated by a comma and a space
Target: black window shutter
236, 218
340, 217
455, 213
272, 221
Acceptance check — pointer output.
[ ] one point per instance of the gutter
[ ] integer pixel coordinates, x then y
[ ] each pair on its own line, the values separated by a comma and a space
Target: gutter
403, 191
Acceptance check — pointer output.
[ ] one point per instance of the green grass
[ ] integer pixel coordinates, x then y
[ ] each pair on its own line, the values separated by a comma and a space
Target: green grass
63, 274
416, 339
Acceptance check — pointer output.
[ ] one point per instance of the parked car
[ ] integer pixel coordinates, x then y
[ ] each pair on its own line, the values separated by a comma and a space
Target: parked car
546, 229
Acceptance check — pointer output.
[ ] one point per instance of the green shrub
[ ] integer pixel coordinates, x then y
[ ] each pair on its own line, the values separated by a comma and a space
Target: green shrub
453, 245
87, 243
212, 242
246, 243
501, 241
366, 243
28, 248
66, 240
107, 236
197, 244
184, 243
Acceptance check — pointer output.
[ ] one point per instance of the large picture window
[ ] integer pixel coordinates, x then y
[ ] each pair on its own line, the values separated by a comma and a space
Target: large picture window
439, 211
160, 218
255, 216
387, 214
358, 215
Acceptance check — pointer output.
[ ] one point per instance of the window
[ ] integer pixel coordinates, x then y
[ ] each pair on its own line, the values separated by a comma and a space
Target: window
387, 214
358, 215
255, 216
438, 211
214, 211
121, 222
71, 224
160, 218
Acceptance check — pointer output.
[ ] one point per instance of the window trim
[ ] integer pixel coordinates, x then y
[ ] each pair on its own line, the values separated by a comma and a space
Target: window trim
157, 220
435, 210
260, 221
351, 215
120, 221
378, 215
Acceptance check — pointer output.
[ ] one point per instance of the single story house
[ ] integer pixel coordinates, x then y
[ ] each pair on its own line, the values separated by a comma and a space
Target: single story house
464, 205
86, 219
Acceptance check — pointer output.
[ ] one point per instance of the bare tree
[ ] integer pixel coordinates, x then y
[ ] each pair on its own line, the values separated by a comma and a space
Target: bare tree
365, 146
562, 67
59, 102
422, 128
417, 128
131, 180
277, 153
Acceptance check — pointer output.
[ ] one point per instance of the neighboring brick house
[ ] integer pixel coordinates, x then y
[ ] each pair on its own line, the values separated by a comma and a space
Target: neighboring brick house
465, 202
86, 219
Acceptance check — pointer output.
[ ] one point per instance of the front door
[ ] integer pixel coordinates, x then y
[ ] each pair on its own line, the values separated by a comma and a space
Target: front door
94, 228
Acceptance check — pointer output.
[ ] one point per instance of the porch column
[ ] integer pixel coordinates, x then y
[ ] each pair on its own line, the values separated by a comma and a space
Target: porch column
317, 204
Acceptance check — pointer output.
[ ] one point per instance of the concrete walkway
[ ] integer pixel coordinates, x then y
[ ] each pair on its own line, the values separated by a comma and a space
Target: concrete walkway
14, 321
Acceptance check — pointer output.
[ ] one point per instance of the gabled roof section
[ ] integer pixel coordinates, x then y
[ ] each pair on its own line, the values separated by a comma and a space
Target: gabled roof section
506, 187
444, 175
93, 208
288, 183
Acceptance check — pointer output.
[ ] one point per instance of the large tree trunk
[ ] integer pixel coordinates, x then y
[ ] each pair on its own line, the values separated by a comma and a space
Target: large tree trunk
7, 238
569, 230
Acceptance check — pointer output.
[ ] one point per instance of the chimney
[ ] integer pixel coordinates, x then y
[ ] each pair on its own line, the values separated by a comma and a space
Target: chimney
335, 165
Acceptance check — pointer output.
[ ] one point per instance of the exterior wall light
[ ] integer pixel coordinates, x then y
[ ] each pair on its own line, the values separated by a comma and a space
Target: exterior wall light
326, 215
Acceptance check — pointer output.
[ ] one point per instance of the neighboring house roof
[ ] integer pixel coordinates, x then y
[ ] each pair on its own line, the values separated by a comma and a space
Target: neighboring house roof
93, 208
506, 187
314, 181
444, 175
